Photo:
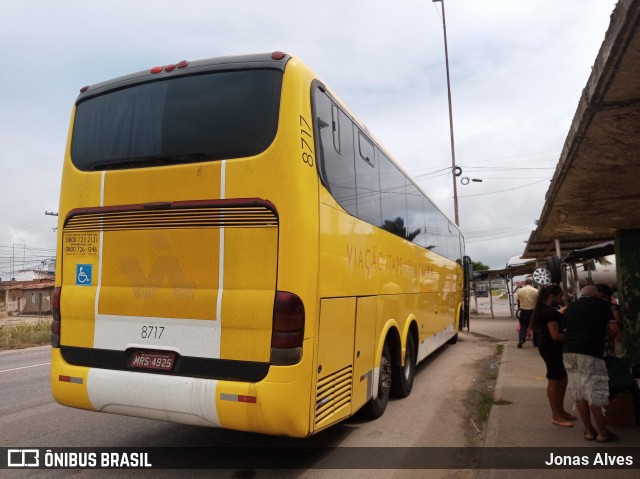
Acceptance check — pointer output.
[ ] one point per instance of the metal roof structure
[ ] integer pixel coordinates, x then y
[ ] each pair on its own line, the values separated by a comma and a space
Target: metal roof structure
525, 267
595, 190
591, 252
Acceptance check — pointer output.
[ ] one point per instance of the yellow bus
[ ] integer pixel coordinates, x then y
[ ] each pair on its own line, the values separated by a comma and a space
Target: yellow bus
236, 250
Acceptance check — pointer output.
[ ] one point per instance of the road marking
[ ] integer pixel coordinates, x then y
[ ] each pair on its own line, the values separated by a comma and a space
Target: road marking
24, 367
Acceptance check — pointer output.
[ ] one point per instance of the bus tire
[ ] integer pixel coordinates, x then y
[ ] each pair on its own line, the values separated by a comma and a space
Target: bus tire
402, 382
454, 339
555, 269
375, 407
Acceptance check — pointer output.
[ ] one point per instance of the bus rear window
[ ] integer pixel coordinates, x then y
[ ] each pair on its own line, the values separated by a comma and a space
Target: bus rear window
204, 117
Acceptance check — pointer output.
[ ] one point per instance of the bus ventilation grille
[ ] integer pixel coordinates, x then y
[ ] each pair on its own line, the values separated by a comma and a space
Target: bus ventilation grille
188, 218
332, 393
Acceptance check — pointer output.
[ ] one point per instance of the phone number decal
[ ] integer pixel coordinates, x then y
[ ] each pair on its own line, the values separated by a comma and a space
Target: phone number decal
81, 244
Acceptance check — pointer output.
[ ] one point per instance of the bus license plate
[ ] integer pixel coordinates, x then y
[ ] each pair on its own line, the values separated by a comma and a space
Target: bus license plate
162, 360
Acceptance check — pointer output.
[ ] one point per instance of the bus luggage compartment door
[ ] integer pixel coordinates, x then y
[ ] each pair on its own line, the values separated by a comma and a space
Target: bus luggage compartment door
335, 360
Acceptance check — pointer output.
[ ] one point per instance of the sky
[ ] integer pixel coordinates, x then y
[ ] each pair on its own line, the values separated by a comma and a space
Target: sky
517, 70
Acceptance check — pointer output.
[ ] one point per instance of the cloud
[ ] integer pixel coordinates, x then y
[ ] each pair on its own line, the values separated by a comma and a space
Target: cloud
517, 71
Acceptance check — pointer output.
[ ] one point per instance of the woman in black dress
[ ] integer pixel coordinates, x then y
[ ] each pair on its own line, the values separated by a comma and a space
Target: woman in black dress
547, 322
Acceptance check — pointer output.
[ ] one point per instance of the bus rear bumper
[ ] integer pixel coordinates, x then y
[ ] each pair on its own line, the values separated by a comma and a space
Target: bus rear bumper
152, 396
272, 406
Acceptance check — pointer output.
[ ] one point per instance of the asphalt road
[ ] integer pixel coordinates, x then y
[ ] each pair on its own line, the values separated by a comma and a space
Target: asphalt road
441, 411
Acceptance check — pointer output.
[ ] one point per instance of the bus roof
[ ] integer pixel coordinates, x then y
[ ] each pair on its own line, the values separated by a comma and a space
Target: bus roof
275, 60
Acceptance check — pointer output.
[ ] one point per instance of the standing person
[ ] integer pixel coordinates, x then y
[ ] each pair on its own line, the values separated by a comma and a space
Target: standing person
619, 365
547, 322
587, 322
606, 293
527, 297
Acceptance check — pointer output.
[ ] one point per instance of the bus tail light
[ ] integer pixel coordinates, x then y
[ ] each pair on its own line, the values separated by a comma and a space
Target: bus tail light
169, 68
56, 323
288, 329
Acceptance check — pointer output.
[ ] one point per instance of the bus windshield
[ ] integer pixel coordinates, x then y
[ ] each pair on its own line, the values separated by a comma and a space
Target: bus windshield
213, 116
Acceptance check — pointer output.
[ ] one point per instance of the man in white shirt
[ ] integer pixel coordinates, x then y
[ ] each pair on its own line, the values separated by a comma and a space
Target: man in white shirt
527, 297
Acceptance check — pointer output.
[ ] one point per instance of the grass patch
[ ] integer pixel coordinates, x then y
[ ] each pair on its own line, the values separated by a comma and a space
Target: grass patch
499, 349
25, 335
487, 402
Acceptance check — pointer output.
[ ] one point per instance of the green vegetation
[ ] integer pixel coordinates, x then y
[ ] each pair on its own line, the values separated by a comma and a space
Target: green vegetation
25, 335
487, 402
479, 266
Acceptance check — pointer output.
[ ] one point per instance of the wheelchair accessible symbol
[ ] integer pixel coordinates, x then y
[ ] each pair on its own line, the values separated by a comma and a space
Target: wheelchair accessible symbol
84, 273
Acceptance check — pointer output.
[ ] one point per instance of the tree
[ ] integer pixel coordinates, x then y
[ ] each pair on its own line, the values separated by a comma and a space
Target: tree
397, 227
479, 266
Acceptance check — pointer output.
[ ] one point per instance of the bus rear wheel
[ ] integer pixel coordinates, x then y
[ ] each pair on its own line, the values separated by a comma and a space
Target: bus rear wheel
375, 407
403, 375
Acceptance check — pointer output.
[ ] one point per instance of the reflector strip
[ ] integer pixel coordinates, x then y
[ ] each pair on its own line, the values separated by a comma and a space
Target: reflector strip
238, 398
70, 379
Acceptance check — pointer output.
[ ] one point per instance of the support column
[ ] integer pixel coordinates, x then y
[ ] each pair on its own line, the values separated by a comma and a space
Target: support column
628, 277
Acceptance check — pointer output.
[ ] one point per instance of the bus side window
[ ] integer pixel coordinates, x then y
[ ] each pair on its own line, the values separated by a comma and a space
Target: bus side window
431, 224
335, 127
451, 242
416, 231
366, 149
460, 247
393, 197
367, 182
336, 151
368, 185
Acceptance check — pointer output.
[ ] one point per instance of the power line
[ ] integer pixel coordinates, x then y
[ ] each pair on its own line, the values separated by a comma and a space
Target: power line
490, 234
20, 257
509, 189
516, 159
503, 168
524, 157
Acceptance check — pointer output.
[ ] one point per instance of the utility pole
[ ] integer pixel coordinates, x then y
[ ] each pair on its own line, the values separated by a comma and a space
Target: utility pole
51, 213
453, 151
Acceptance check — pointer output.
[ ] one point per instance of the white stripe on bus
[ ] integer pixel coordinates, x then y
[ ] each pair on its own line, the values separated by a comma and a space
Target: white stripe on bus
185, 336
99, 251
218, 322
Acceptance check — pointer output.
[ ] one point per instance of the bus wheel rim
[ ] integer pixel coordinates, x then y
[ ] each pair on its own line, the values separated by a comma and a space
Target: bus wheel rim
385, 375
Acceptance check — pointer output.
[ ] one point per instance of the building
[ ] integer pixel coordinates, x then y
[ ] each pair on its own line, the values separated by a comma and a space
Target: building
26, 297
